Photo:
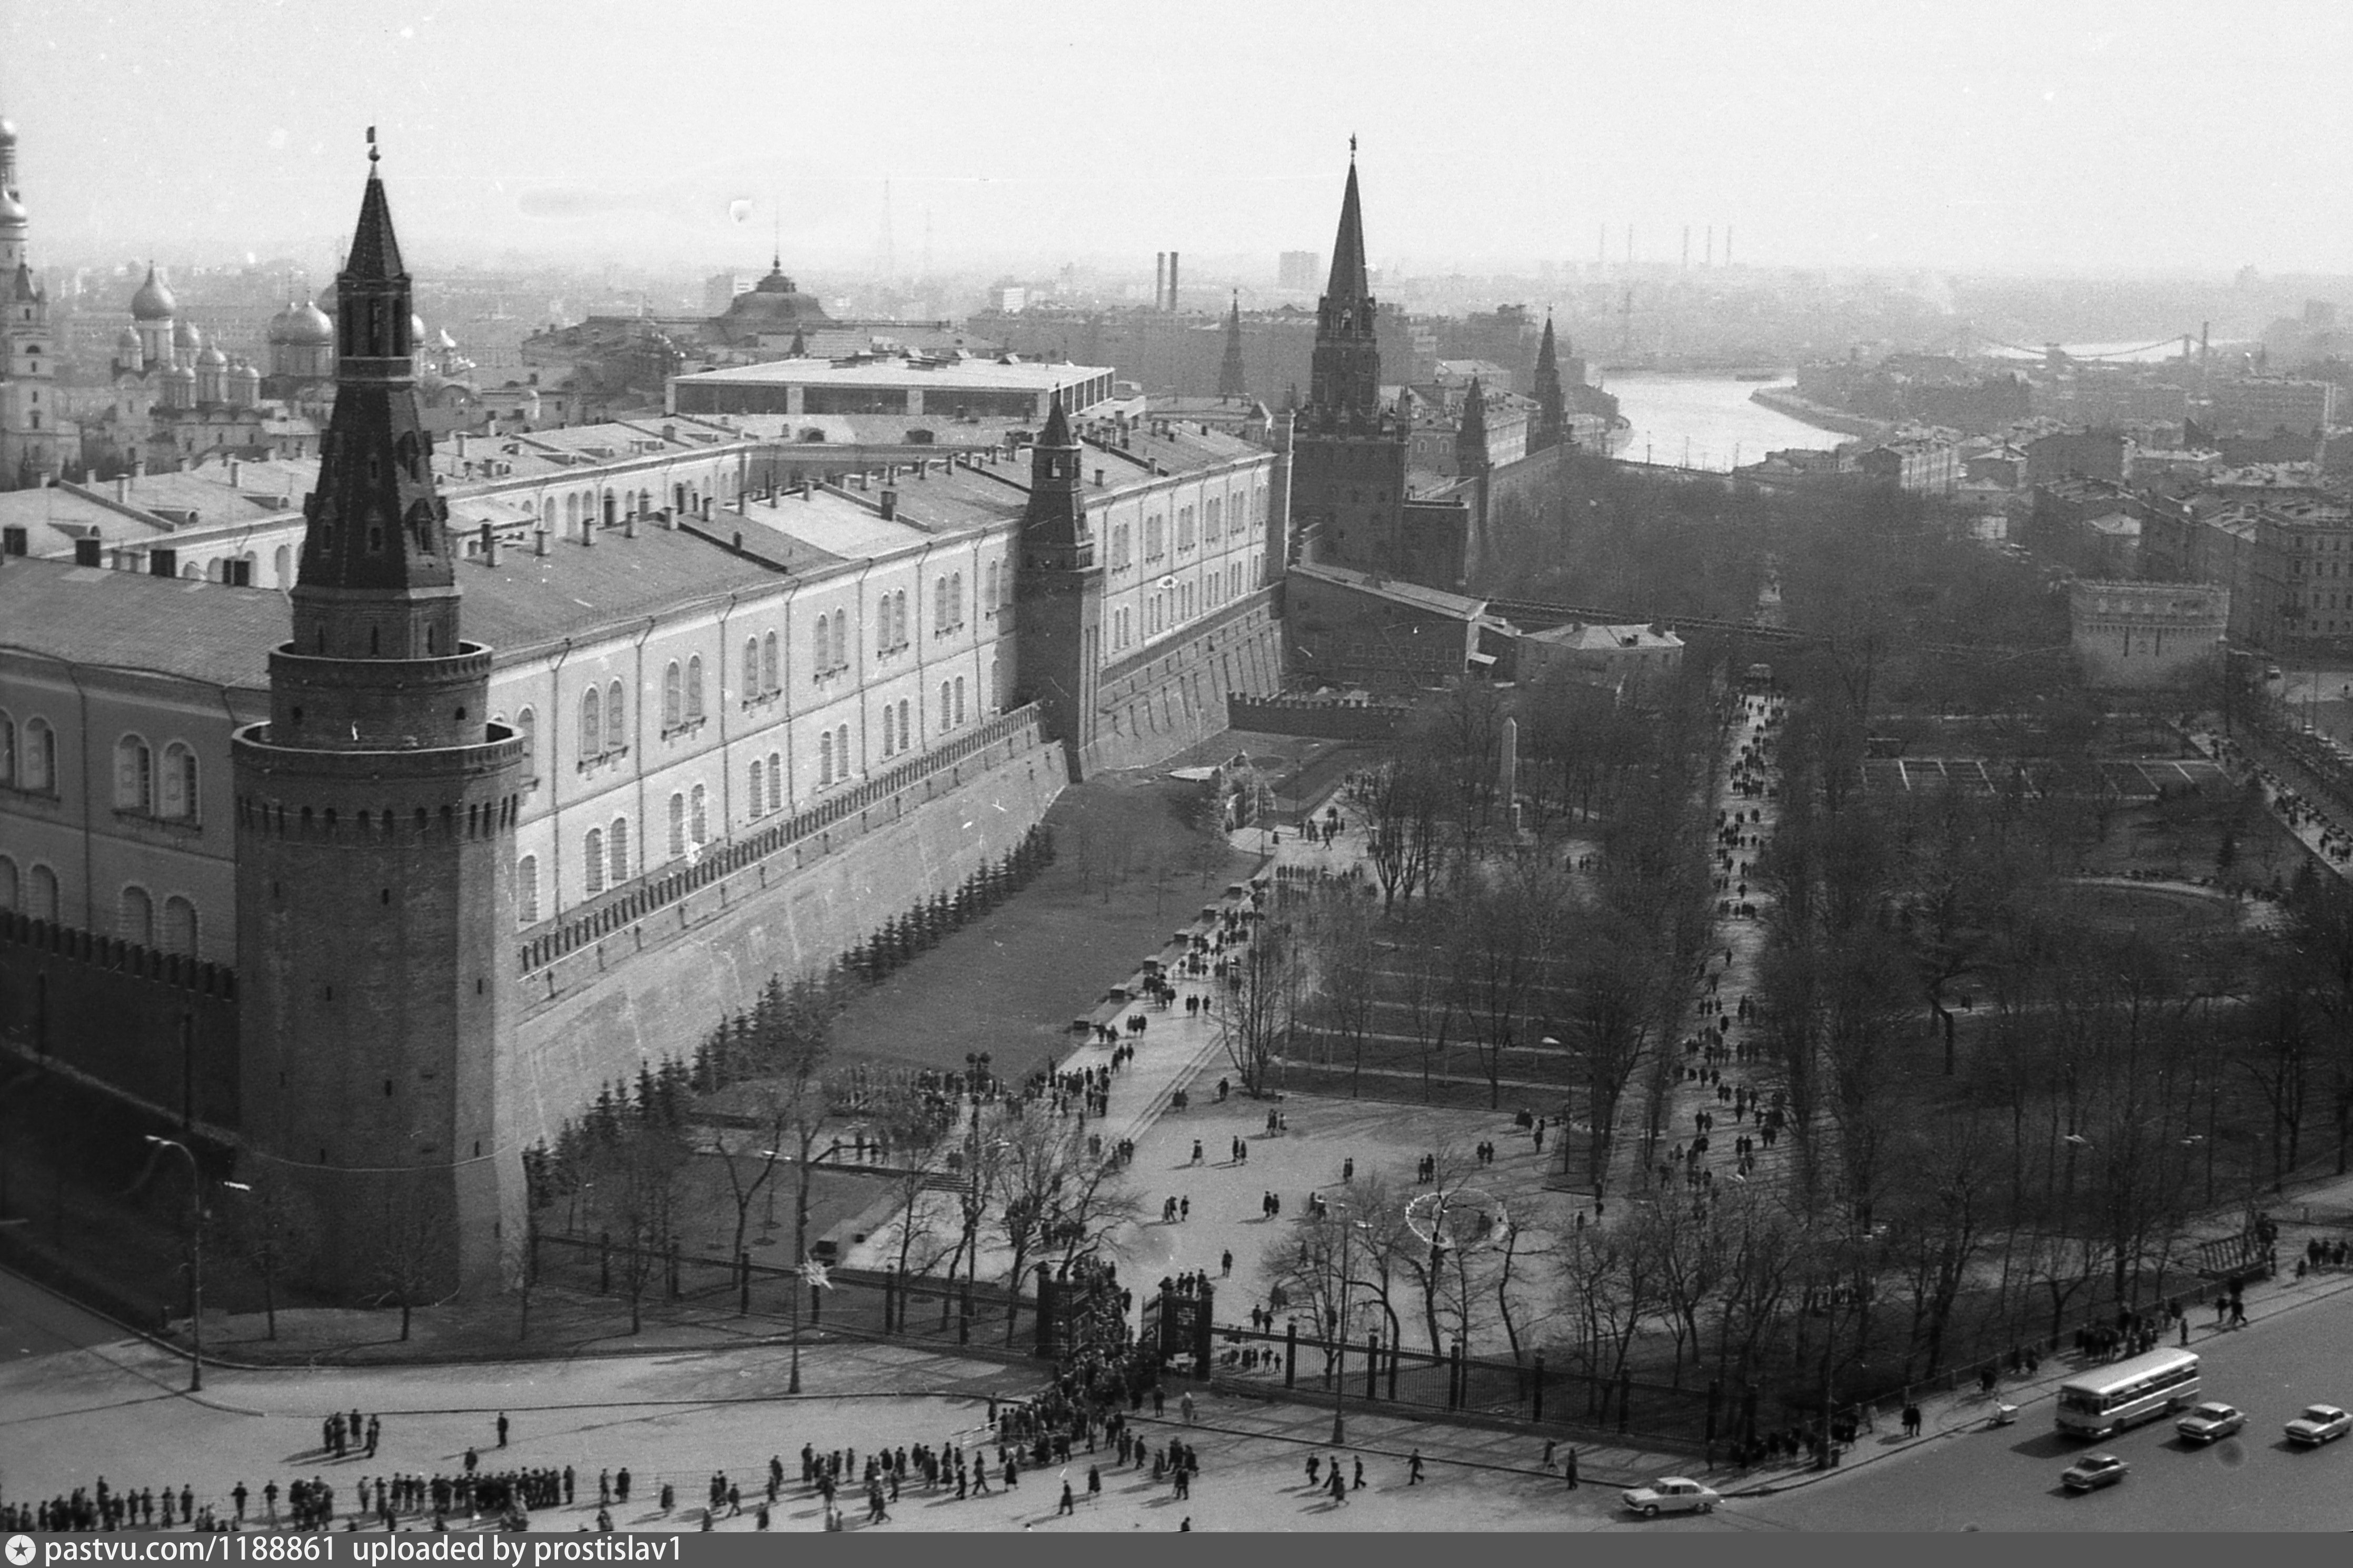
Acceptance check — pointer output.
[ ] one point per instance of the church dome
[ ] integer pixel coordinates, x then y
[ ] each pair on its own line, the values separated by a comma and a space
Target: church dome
153, 302
212, 359
303, 325
126, 343
186, 336
179, 372
416, 329
12, 212
8, 131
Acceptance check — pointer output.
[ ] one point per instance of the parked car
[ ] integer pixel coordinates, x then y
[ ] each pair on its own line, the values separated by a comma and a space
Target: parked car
1671, 1494
2318, 1424
2092, 1472
2206, 1422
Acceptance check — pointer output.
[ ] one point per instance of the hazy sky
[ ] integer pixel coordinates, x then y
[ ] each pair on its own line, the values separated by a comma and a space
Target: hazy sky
1965, 134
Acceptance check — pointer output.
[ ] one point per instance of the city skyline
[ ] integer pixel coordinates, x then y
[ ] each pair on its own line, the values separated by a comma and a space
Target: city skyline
1917, 140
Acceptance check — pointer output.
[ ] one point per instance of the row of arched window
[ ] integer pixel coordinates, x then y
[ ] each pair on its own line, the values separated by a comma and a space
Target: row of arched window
605, 850
28, 757
169, 927
32, 891
895, 727
145, 786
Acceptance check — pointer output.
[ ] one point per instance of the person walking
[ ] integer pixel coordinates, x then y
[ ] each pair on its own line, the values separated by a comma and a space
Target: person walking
502, 1428
1339, 1487
1568, 1464
1185, 1404
1413, 1469
1359, 1484
1067, 1505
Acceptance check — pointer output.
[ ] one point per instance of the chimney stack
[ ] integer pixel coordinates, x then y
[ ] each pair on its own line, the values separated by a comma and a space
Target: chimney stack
122, 488
236, 469
629, 524
538, 541
890, 505
1172, 282
588, 532
1159, 279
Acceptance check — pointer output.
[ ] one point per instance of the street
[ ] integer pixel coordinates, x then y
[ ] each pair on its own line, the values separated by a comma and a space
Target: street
2008, 1477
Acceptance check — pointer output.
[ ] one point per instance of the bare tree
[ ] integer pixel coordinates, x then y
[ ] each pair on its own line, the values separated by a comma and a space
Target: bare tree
1399, 803
1347, 972
1256, 1020
274, 1233
412, 1247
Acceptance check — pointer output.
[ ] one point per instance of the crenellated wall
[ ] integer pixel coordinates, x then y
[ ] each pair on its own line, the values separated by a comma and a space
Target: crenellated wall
651, 981
1153, 707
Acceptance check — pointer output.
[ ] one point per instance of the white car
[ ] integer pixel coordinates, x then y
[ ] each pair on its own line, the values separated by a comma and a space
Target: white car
1670, 1494
2318, 1424
2092, 1472
2206, 1422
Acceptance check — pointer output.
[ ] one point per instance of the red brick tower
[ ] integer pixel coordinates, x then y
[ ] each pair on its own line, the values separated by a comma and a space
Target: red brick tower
1058, 594
375, 811
1348, 452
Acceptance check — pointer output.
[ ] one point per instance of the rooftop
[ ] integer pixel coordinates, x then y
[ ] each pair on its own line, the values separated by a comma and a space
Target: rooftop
129, 620
1591, 636
1395, 590
980, 375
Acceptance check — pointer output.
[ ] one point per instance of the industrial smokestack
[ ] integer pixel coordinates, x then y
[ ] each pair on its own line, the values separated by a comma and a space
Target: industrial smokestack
1687, 248
1711, 245
1727, 245
1172, 281
1159, 279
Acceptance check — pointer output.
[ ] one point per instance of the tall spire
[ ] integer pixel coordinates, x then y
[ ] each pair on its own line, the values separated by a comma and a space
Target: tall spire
1346, 385
1348, 281
1551, 408
376, 580
1470, 434
1233, 381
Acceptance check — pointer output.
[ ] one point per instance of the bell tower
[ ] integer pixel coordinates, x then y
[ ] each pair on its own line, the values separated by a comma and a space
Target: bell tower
375, 814
1058, 594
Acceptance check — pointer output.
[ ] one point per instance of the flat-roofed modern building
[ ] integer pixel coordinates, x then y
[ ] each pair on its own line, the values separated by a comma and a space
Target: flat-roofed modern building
947, 388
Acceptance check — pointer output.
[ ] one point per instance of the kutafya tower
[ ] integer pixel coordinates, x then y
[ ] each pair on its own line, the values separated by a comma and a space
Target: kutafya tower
375, 813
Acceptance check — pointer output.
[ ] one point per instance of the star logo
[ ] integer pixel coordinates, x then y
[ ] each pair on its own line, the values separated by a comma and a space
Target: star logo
20, 1550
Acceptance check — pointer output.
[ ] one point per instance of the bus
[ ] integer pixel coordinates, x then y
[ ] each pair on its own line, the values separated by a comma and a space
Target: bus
2126, 1393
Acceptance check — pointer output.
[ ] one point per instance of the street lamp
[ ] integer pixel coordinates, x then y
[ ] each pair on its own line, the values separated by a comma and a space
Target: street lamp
195, 1262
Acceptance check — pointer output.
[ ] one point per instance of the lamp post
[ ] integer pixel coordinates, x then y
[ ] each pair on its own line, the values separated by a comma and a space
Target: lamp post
195, 1262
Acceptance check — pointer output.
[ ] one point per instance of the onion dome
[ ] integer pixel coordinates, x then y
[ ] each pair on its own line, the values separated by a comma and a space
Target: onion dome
179, 372
442, 339
153, 302
326, 301
276, 331
13, 215
8, 131
186, 336
416, 329
309, 326
212, 359
126, 343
